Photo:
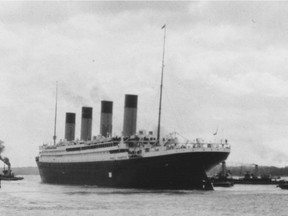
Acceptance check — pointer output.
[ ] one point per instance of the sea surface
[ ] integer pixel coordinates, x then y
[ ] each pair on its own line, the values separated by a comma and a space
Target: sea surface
31, 197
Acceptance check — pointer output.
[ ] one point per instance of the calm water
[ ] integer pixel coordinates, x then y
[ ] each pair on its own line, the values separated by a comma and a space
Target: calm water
31, 197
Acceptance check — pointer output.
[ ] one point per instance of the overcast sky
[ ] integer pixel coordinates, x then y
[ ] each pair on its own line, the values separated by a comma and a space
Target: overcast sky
226, 67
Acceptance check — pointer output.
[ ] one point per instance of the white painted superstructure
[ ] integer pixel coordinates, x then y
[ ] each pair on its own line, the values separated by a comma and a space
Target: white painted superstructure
110, 150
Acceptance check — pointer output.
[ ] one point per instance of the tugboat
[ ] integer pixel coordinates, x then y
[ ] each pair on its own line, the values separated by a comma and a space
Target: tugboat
254, 178
223, 178
283, 185
8, 175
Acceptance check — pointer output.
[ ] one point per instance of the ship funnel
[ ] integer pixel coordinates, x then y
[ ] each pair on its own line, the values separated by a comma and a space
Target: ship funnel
130, 115
86, 123
70, 126
106, 118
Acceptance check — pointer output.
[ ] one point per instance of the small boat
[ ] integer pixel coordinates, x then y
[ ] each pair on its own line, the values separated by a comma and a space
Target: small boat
10, 178
222, 182
8, 175
223, 178
255, 179
283, 185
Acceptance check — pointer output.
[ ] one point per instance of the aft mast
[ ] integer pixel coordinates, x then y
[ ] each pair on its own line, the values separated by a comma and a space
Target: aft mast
55, 120
161, 86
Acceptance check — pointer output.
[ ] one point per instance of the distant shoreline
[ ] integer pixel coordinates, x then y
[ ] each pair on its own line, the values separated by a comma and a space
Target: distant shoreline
25, 170
262, 170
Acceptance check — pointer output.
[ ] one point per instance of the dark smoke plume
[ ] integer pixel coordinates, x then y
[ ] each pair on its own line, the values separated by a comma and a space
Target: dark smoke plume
1, 146
6, 161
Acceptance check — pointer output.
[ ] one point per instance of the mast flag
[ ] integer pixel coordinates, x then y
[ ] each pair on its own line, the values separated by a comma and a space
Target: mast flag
164, 26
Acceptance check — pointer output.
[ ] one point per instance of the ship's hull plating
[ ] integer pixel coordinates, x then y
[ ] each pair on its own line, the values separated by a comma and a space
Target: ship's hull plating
176, 171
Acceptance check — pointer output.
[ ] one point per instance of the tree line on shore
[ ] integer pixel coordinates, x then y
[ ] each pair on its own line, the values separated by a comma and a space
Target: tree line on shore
261, 170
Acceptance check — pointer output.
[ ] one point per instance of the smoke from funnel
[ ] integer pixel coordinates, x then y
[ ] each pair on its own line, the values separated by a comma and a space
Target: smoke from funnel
2, 147
6, 161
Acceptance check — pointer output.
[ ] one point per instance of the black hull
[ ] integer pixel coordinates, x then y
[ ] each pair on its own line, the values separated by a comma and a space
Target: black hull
222, 182
177, 171
283, 186
256, 182
5, 178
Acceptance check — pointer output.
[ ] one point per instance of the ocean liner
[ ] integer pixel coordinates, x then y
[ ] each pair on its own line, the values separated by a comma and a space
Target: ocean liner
132, 160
